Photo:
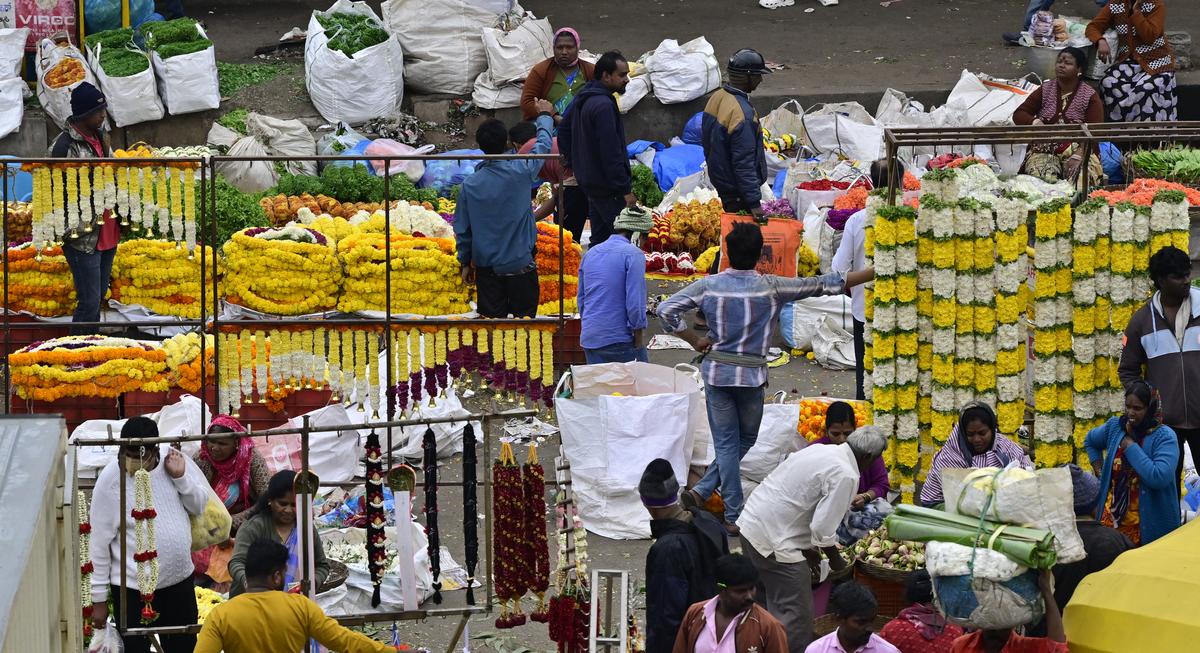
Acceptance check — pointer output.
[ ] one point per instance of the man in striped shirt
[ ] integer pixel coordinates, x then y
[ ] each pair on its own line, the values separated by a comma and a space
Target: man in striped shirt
742, 307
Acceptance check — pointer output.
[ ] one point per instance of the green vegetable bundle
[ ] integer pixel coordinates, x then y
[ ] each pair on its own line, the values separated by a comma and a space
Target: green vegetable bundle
349, 33
1031, 547
123, 63
113, 38
179, 30
1177, 164
168, 50
235, 211
645, 187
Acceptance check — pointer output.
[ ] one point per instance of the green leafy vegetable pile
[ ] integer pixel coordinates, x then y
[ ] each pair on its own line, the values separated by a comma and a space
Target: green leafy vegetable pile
119, 57
645, 187
168, 50
174, 37
113, 38
235, 211
235, 120
236, 76
1177, 164
351, 184
349, 33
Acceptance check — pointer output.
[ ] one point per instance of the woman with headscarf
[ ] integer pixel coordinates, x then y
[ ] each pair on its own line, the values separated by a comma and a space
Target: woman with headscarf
839, 424
558, 78
1140, 85
920, 628
1064, 100
1135, 455
974, 442
275, 519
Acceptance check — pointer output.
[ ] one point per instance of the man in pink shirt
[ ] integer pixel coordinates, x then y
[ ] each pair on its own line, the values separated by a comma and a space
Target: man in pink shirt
731, 622
855, 608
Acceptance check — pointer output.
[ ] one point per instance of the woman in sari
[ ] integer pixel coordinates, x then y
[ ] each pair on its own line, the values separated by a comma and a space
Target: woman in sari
974, 442
1064, 100
920, 628
558, 78
1135, 455
1140, 85
238, 474
275, 519
873, 483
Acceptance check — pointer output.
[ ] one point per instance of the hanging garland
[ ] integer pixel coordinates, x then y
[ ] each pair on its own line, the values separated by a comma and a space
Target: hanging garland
569, 610
470, 509
508, 511
534, 476
431, 511
145, 554
376, 555
85, 564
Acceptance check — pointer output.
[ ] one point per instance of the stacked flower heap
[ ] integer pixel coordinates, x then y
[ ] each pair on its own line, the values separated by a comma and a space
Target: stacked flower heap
412, 219
696, 222
547, 259
183, 360
1011, 276
291, 270
163, 277
937, 224
87, 366
424, 279
1053, 344
39, 282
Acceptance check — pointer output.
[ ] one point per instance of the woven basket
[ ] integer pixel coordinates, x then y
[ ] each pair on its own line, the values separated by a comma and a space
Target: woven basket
886, 584
882, 573
338, 573
827, 623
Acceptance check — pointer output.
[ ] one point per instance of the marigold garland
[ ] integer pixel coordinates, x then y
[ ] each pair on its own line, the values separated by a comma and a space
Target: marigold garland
87, 366
163, 278
39, 282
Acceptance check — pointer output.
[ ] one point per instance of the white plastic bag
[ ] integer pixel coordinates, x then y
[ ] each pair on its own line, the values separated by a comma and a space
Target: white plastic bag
12, 51
681, 73
107, 641
332, 455
442, 42
414, 169
833, 346
13, 92
798, 321
777, 438
246, 176
342, 139
188, 82
289, 138
638, 88
57, 101
683, 186
511, 54
369, 84
782, 120
986, 100
131, 99
408, 441
844, 128
490, 94
609, 439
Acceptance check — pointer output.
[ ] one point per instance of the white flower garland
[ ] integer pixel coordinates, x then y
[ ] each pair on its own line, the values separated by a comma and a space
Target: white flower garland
85, 563
145, 551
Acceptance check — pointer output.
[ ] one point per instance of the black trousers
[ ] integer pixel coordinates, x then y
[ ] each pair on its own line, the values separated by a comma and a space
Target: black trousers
860, 352
498, 296
176, 606
575, 211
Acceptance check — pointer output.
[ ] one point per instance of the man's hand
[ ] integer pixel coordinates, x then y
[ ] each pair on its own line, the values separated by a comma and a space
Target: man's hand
1046, 584
630, 201
99, 614
1103, 50
174, 464
1073, 164
757, 212
814, 564
639, 338
702, 344
836, 561
543, 106
467, 272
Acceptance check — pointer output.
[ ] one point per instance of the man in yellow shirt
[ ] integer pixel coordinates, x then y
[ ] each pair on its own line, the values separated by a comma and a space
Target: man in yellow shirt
267, 620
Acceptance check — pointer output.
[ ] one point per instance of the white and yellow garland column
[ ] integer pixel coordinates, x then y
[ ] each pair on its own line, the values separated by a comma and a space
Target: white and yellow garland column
984, 300
1143, 287
939, 213
907, 347
883, 324
926, 246
1169, 221
1121, 288
1053, 399
1108, 337
1011, 275
964, 301
1084, 318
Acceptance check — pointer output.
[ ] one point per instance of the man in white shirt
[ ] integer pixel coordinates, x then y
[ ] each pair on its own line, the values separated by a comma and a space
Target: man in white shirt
794, 515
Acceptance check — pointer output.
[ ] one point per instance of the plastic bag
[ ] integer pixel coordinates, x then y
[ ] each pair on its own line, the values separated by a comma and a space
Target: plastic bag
213, 525
777, 439
844, 128
833, 346
12, 50
355, 88
289, 138
130, 99
442, 40
682, 73
440, 175
340, 141
638, 88
989, 604
103, 15
798, 320
188, 82
107, 641
491, 94
693, 131
988, 101
510, 54
13, 92
246, 176
414, 169
57, 100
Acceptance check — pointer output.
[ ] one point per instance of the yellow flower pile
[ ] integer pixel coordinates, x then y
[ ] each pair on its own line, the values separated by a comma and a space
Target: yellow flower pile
163, 277
425, 279
39, 283
546, 257
808, 263
206, 600
288, 271
696, 224
333, 228
87, 366
183, 360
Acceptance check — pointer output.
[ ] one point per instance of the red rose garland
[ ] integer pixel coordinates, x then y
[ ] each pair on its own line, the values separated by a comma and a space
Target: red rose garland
535, 528
508, 511
145, 554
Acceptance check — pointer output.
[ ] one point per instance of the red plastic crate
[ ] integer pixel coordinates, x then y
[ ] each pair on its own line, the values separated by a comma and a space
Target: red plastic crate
75, 410
24, 336
144, 403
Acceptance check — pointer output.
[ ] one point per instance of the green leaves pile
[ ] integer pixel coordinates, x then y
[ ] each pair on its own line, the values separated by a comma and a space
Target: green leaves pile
119, 57
236, 76
349, 33
645, 188
235, 211
174, 37
235, 120
351, 184
1177, 164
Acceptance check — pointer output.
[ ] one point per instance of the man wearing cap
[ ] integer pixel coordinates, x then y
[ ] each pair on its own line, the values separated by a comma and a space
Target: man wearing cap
681, 562
612, 294
732, 138
89, 251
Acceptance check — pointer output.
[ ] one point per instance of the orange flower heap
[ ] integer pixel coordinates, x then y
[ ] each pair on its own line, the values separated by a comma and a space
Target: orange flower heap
812, 416
87, 366
40, 285
183, 360
547, 258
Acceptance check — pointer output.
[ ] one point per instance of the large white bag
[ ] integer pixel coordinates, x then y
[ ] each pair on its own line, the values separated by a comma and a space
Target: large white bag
511, 54
281, 137
988, 100
188, 416
490, 94
443, 47
610, 439
777, 439
355, 89
682, 73
57, 101
12, 50
246, 176
188, 82
638, 88
131, 99
13, 92
833, 346
845, 128
782, 120
798, 321
332, 455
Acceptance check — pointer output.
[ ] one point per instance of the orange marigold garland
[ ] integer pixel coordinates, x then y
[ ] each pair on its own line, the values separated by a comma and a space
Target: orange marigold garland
535, 528
508, 511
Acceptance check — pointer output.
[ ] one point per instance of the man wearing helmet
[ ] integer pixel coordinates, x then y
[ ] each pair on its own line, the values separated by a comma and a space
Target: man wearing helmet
733, 145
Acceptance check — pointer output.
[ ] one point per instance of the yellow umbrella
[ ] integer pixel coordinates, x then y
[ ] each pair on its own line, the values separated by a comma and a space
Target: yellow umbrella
1143, 602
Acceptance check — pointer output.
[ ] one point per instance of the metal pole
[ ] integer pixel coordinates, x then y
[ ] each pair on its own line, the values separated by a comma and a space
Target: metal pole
123, 617
307, 547
204, 294
7, 332
487, 512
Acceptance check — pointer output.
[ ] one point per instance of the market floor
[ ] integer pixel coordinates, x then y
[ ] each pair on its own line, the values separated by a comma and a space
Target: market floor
798, 378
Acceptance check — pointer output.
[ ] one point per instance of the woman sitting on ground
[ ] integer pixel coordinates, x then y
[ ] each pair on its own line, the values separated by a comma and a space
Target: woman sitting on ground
275, 519
1064, 100
839, 424
920, 628
974, 442
1140, 85
1135, 457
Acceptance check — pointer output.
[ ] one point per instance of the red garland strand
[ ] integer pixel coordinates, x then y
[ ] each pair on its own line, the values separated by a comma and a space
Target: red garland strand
535, 537
376, 520
508, 511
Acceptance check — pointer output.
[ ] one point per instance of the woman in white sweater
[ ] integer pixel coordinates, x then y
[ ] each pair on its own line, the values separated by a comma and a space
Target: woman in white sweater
178, 491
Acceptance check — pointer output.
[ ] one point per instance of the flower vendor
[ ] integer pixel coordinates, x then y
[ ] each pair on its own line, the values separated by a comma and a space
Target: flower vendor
731, 621
275, 520
839, 424
855, 609
612, 294
265, 618
852, 255
681, 561
89, 251
557, 79
732, 138
163, 491
524, 136
239, 476
920, 628
793, 517
1161, 339
986, 641
975, 441
493, 224
1135, 456
1064, 100
742, 308
1140, 84
592, 140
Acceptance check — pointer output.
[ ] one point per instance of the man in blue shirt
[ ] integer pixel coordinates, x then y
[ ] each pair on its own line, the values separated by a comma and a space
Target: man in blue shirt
612, 294
493, 223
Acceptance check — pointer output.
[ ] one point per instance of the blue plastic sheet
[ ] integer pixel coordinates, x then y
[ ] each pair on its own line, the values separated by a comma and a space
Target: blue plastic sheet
1110, 159
693, 132
103, 15
441, 175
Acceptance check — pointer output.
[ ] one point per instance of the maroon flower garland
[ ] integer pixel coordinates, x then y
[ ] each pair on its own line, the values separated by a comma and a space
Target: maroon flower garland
376, 520
535, 529
508, 511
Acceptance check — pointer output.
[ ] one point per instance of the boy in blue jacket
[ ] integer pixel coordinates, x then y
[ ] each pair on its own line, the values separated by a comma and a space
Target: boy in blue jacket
493, 223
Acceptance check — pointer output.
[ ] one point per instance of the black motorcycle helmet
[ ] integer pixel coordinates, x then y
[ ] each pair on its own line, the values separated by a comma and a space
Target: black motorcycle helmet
749, 62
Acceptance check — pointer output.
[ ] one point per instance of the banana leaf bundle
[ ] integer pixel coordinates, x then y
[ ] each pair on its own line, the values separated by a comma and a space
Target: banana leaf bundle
1031, 547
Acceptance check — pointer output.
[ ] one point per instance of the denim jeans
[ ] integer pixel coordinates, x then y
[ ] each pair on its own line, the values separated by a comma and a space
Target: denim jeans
621, 352
91, 273
734, 415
